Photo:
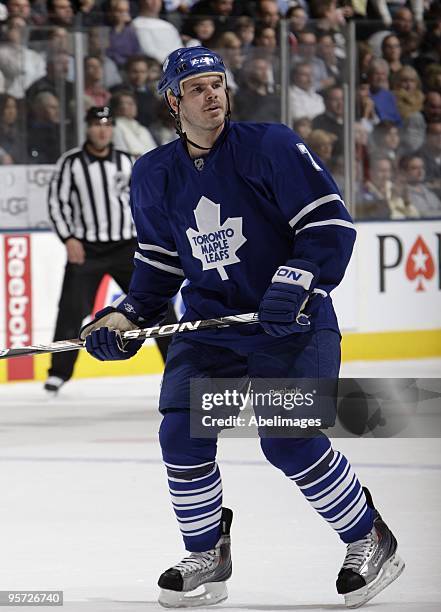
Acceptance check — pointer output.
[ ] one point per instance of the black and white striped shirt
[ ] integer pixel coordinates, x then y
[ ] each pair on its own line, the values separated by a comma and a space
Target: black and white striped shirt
89, 196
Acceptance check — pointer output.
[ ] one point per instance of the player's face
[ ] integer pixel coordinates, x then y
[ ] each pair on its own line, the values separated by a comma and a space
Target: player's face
99, 134
204, 103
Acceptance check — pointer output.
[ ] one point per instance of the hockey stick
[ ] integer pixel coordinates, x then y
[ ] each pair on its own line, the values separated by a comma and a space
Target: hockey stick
136, 334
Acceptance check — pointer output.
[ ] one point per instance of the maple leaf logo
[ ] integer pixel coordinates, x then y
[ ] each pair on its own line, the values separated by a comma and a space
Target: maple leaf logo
215, 244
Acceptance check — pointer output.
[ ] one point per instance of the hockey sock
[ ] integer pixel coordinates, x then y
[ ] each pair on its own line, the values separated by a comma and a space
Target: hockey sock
194, 481
332, 488
326, 479
196, 494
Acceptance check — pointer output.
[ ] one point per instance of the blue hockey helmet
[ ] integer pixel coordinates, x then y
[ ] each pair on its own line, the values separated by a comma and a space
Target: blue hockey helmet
186, 63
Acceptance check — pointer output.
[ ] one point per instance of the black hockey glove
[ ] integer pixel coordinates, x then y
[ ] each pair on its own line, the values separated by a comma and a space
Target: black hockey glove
282, 309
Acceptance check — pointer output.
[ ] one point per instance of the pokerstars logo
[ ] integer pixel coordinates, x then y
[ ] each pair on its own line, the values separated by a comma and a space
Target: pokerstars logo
419, 260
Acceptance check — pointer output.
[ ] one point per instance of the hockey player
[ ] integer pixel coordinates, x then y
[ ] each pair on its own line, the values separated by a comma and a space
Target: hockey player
254, 221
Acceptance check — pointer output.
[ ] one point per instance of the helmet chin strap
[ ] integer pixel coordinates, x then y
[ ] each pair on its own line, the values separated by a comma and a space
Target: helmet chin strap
180, 132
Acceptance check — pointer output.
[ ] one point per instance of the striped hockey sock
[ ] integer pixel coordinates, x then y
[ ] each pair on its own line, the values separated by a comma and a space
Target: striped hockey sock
196, 494
332, 488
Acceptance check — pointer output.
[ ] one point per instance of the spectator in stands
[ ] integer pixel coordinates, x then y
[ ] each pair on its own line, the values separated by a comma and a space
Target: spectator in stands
255, 100
89, 13
418, 121
365, 55
333, 65
97, 44
430, 51
361, 155
402, 26
60, 13
95, 92
141, 74
306, 52
432, 106
303, 127
39, 12
223, 13
245, 30
20, 65
265, 38
55, 80
422, 198
365, 109
163, 128
128, 134
304, 101
430, 152
332, 119
228, 45
123, 40
411, 48
44, 129
20, 8
329, 18
381, 197
58, 39
265, 45
321, 143
267, 13
12, 130
406, 87
385, 140
433, 77
391, 50
298, 18
384, 100
157, 37
198, 30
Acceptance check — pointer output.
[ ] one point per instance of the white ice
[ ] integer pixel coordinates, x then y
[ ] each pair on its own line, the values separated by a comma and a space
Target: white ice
84, 505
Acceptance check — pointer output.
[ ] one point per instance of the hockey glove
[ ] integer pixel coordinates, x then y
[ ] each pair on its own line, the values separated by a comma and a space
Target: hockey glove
103, 334
281, 311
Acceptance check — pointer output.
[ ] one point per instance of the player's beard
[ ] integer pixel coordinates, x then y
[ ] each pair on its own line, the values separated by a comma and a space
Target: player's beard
205, 123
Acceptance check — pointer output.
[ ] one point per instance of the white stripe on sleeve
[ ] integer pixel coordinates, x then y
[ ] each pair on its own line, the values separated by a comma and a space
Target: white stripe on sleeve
160, 266
313, 205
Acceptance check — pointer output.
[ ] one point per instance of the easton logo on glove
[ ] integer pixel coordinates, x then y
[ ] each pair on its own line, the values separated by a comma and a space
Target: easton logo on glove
293, 276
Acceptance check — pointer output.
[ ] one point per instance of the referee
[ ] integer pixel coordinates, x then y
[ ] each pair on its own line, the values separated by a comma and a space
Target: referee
89, 209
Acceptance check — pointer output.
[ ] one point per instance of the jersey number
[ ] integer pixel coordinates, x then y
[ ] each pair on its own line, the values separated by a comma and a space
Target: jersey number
305, 151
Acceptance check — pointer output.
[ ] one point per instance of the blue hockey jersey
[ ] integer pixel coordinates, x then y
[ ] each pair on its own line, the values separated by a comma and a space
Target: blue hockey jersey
226, 221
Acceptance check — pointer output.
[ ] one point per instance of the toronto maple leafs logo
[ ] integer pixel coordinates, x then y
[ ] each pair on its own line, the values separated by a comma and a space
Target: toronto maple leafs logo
128, 307
215, 244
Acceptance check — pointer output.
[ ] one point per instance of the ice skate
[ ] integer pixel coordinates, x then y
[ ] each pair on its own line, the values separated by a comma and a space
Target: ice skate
371, 563
52, 385
208, 569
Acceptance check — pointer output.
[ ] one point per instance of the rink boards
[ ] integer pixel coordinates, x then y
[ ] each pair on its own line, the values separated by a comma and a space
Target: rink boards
389, 304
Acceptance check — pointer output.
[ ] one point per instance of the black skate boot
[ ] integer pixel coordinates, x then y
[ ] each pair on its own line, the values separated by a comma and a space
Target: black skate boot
371, 563
209, 569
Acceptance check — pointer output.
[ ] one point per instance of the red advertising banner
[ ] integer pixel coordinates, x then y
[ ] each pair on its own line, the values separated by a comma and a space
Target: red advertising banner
18, 292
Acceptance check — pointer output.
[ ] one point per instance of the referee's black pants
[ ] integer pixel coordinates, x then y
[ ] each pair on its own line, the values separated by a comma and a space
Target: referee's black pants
80, 285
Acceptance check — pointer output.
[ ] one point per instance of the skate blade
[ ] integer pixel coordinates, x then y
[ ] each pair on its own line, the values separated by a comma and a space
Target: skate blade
214, 593
388, 573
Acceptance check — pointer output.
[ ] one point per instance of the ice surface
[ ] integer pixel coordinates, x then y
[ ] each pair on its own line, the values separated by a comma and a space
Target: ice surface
84, 505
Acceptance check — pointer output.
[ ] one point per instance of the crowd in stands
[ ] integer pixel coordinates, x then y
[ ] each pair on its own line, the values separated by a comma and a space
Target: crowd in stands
398, 94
